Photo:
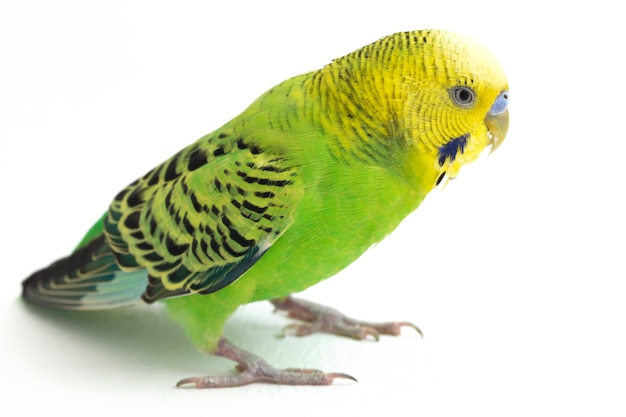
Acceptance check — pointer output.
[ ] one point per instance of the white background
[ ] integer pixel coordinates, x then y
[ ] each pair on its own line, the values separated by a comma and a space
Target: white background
514, 272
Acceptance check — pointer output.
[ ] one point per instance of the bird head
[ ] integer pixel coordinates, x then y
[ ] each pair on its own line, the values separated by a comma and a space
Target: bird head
423, 103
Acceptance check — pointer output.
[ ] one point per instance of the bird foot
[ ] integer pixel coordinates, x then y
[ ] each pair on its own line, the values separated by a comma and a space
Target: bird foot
254, 369
321, 319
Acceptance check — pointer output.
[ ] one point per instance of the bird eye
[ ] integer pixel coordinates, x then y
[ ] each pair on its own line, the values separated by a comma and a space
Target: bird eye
463, 97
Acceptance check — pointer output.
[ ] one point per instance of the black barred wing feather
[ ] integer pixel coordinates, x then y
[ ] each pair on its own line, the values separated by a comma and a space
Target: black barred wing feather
201, 219
89, 279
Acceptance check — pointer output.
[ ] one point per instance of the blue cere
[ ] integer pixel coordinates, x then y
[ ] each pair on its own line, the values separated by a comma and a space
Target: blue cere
499, 106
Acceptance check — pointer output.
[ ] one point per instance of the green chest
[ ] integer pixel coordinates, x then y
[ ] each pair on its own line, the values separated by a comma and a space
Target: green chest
339, 218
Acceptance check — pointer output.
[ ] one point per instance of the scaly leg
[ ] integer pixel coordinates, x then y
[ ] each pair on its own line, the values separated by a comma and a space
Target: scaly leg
254, 369
323, 319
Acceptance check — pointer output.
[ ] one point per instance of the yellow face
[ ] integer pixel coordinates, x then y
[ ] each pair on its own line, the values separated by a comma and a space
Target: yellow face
456, 104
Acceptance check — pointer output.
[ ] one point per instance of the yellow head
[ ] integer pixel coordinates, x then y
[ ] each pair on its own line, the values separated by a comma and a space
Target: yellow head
438, 98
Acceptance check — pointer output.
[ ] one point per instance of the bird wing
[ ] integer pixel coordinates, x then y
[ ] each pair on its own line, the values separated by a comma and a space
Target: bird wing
204, 217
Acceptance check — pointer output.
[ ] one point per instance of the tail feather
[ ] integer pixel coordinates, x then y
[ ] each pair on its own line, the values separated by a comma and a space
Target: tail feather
88, 279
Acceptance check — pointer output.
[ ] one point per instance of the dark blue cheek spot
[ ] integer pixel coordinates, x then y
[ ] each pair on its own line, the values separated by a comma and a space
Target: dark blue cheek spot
452, 148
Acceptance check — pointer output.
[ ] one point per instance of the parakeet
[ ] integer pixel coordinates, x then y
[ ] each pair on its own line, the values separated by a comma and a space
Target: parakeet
288, 193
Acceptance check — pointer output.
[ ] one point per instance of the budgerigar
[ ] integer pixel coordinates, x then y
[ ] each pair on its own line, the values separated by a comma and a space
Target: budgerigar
288, 193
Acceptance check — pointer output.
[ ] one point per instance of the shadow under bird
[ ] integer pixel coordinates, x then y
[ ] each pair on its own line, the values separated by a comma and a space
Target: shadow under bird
288, 193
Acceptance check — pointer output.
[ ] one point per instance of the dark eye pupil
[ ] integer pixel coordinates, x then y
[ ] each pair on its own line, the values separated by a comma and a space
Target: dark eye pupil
462, 96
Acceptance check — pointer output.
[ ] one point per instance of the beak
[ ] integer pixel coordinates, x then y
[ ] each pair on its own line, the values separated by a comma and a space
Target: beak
497, 120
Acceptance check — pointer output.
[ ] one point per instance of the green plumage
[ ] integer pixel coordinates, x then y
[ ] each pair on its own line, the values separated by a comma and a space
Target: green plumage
288, 193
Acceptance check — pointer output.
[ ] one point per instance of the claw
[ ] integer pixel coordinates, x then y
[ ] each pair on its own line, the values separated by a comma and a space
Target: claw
295, 329
254, 369
368, 331
412, 326
322, 319
335, 375
187, 381
395, 328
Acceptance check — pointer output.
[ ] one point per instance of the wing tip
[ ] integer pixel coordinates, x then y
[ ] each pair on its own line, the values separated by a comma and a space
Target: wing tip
88, 279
